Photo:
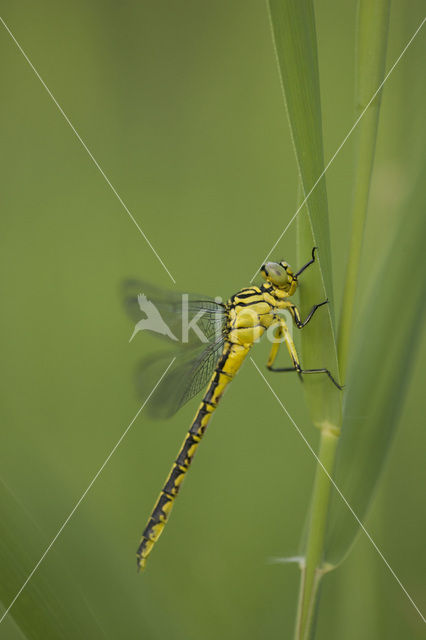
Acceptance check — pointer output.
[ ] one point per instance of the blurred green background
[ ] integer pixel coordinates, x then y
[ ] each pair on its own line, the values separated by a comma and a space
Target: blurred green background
180, 104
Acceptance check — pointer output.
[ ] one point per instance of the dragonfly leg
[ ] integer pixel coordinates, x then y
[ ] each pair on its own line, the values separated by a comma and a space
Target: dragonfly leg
308, 264
296, 314
301, 371
283, 333
324, 371
275, 346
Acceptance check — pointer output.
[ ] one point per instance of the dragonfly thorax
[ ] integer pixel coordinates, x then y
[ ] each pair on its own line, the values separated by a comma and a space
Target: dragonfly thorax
253, 310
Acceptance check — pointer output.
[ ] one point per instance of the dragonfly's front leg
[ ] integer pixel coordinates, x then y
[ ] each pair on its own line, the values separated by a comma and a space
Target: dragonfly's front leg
308, 264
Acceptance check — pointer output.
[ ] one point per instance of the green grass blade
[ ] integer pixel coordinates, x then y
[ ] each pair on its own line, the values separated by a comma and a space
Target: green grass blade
50, 606
385, 348
372, 35
293, 27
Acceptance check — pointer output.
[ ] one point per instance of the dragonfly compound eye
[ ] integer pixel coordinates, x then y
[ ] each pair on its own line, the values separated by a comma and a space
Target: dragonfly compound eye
275, 273
288, 270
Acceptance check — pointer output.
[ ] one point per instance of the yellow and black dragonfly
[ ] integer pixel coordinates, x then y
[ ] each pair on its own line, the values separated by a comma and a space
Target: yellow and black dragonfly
230, 330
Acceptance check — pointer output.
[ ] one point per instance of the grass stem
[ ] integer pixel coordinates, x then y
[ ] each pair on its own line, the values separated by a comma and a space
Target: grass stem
312, 570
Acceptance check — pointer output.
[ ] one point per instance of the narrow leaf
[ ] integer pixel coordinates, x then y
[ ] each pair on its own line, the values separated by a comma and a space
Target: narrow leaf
50, 606
372, 35
293, 27
385, 347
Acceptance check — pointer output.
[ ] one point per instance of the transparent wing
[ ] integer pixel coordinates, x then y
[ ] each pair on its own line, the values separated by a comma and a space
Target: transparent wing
190, 372
169, 308
165, 313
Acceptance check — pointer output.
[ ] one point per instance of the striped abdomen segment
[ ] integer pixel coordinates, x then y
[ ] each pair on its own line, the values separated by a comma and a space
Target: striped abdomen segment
226, 368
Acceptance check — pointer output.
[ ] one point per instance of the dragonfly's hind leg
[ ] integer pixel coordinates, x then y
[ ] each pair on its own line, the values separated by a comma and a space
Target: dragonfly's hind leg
323, 371
282, 334
300, 371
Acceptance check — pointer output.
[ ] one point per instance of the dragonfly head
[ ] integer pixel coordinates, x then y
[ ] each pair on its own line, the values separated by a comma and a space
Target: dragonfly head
280, 275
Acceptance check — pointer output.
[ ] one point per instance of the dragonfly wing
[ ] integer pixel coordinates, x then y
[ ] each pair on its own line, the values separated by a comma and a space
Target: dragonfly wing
202, 370
190, 372
162, 312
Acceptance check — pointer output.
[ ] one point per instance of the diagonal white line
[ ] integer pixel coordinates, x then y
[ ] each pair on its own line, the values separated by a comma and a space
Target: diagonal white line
80, 500
339, 492
355, 124
84, 145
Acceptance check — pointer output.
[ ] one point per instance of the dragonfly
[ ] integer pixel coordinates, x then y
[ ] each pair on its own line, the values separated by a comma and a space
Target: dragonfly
231, 329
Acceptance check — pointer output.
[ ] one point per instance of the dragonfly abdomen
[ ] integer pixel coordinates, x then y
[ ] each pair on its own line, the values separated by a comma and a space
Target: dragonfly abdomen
226, 368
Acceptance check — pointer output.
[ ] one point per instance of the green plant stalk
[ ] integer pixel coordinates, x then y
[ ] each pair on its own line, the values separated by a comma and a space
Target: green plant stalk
373, 23
313, 569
